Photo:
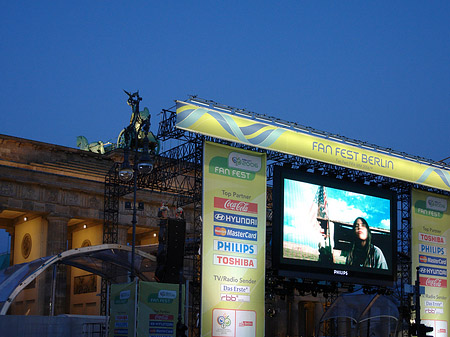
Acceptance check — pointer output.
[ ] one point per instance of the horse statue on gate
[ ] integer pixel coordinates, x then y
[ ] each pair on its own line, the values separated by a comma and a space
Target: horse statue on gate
133, 135
96, 147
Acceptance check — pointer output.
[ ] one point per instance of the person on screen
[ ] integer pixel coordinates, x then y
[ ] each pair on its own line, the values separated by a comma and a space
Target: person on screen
363, 252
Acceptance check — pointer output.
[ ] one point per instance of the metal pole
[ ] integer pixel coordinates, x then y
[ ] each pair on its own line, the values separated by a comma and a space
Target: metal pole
135, 173
417, 295
52, 304
108, 292
136, 299
133, 242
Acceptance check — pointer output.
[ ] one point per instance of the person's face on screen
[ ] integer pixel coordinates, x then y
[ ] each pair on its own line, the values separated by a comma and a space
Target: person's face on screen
361, 230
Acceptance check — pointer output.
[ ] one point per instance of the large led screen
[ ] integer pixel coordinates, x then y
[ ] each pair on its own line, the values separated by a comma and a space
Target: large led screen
330, 229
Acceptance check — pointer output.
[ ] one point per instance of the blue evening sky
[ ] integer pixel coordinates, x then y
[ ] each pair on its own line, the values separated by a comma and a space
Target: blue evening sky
376, 71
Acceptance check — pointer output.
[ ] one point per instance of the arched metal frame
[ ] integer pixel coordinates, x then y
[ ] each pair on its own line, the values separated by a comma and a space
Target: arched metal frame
105, 254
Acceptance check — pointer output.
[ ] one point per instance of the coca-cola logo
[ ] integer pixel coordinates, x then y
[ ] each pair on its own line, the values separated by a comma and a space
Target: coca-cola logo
433, 282
240, 206
235, 205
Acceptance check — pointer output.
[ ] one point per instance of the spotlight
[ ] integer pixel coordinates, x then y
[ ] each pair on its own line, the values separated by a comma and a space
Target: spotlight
271, 312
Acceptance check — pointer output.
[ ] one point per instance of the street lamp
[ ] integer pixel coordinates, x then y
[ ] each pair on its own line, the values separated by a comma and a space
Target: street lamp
135, 138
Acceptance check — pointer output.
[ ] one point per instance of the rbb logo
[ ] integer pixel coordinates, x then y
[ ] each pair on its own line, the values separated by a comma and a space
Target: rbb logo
228, 298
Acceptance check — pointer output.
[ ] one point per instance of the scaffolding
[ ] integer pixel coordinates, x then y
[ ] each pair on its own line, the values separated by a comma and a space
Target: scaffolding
178, 172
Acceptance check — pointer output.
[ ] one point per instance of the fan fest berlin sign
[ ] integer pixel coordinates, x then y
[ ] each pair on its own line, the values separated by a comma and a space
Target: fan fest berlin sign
233, 242
430, 246
255, 133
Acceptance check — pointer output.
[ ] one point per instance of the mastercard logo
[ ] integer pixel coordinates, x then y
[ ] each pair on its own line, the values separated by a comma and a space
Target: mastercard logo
423, 259
221, 231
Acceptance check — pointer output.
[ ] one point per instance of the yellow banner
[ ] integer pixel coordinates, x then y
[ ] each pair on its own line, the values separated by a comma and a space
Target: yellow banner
430, 234
233, 242
298, 143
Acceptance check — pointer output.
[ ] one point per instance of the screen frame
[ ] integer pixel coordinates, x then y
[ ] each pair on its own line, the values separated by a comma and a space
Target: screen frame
313, 269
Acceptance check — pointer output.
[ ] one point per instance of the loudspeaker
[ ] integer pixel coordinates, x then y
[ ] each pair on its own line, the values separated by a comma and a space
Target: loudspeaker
170, 255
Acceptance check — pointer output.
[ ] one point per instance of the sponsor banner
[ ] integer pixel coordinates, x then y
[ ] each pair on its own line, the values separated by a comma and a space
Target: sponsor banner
234, 261
233, 242
305, 143
235, 233
234, 323
432, 238
440, 261
122, 309
162, 324
235, 289
234, 298
158, 309
235, 205
439, 327
434, 311
235, 247
430, 219
234, 219
164, 331
432, 249
433, 271
434, 304
433, 282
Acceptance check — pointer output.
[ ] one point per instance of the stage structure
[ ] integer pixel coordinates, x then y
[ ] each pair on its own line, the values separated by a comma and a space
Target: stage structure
178, 171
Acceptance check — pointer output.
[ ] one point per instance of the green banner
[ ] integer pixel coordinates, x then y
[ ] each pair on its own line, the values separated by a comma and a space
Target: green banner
122, 310
158, 309
430, 233
233, 242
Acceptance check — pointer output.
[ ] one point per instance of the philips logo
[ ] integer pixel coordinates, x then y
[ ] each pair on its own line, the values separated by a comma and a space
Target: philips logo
341, 272
432, 250
235, 247
244, 162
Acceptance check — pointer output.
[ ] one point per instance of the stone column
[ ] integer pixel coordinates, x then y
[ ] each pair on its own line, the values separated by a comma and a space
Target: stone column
122, 235
56, 243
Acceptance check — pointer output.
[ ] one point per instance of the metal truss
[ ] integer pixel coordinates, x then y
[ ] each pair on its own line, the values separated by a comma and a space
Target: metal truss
178, 172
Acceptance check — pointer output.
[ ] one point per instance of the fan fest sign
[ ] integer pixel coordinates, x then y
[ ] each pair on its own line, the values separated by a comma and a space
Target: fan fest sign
233, 242
430, 248
157, 305
298, 142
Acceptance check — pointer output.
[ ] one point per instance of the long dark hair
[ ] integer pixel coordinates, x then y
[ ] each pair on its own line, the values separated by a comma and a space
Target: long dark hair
358, 252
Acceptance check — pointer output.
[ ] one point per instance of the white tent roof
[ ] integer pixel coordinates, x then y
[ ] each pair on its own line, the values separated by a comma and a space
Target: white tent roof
361, 308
